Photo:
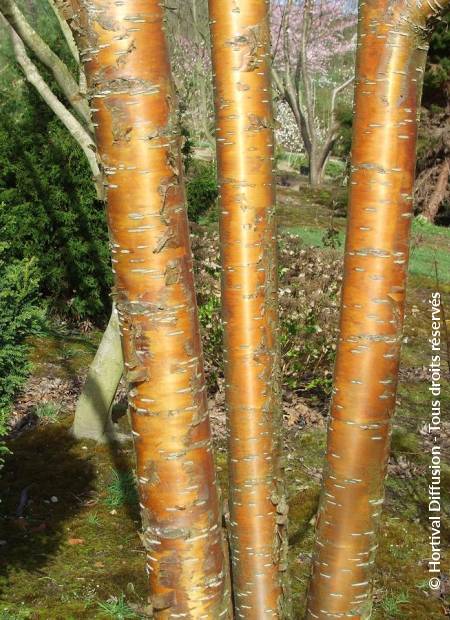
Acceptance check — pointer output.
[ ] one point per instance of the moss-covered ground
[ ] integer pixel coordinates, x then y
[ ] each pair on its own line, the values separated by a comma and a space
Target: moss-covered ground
70, 547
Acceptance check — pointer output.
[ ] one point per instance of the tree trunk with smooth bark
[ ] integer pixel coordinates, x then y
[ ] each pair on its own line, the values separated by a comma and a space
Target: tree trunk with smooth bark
245, 149
390, 63
123, 47
93, 411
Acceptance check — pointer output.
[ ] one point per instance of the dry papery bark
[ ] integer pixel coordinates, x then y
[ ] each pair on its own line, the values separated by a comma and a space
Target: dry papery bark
245, 145
124, 51
392, 47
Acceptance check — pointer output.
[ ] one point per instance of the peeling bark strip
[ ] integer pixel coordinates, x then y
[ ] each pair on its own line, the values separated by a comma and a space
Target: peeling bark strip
258, 510
124, 50
390, 62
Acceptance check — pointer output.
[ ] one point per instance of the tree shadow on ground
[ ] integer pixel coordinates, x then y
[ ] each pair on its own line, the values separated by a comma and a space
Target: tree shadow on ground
43, 485
48, 480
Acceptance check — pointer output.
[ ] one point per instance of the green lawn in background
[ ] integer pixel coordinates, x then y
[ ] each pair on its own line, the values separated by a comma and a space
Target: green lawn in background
429, 243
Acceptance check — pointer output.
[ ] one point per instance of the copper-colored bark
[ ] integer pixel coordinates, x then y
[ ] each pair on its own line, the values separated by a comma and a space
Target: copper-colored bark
258, 510
390, 62
124, 50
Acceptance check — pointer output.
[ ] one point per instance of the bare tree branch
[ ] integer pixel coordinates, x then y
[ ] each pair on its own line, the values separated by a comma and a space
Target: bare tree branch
287, 91
337, 91
65, 28
78, 132
37, 45
303, 69
334, 125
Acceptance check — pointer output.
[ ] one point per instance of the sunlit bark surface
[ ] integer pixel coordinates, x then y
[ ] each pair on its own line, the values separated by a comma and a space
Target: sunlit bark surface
390, 62
129, 86
243, 101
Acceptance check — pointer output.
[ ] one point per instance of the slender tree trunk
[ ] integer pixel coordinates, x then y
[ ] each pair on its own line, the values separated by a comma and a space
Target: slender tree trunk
431, 210
93, 411
130, 89
315, 168
390, 63
258, 510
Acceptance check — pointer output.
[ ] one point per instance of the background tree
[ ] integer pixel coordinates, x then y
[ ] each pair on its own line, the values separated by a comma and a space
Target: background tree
373, 304
313, 44
188, 35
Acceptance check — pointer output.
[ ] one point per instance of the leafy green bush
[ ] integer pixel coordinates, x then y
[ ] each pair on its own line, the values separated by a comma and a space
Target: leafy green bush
436, 86
201, 188
49, 212
20, 315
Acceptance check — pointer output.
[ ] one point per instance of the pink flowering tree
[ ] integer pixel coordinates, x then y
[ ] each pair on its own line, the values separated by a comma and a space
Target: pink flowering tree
313, 43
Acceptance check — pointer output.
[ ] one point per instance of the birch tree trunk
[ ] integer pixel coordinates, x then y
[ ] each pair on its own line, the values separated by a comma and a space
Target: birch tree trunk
243, 101
390, 63
130, 90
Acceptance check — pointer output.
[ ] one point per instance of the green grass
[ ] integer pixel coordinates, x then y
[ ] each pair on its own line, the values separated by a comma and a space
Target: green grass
421, 225
423, 259
93, 519
48, 411
24, 614
116, 607
121, 489
313, 236
334, 168
391, 604
429, 245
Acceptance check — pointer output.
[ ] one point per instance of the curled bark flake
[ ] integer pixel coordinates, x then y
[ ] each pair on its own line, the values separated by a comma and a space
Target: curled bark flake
173, 273
168, 239
102, 86
256, 123
137, 375
120, 120
105, 21
123, 58
173, 163
249, 46
151, 473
